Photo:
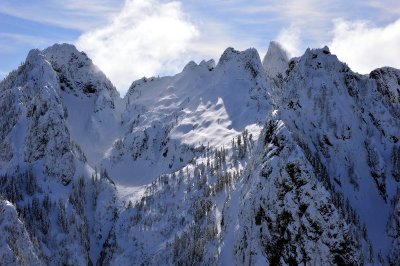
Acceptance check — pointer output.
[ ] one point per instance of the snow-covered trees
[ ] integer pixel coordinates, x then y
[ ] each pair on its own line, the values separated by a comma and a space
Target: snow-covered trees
16, 244
282, 221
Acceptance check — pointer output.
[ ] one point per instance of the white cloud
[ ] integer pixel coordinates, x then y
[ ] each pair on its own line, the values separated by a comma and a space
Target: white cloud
310, 23
152, 37
364, 46
290, 40
146, 38
213, 38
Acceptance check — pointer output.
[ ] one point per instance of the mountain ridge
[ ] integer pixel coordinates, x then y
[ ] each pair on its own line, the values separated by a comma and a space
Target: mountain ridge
241, 162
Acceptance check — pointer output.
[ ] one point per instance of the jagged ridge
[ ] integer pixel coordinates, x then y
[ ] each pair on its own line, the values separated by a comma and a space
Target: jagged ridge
241, 162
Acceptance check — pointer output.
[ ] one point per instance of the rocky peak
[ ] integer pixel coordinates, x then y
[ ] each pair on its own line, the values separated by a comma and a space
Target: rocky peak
321, 59
388, 84
276, 60
190, 66
232, 55
36, 72
210, 64
76, 72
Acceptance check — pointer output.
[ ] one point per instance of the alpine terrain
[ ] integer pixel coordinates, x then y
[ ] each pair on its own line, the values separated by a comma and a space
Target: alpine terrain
280, 161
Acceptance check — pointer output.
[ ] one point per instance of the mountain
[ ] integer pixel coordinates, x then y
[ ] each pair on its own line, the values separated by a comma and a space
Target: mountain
282, 161
169, 120
44, 172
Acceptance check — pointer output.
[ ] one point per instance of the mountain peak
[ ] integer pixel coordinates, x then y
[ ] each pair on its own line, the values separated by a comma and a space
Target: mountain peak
60, 55
37, 70
210, 64
76, 70
62, 47
276, 60
66, 54
230, 54
189, 66
33, 55
326, 50
35, 58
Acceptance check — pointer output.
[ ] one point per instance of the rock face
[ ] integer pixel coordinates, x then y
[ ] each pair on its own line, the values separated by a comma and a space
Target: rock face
388, 84
280, 162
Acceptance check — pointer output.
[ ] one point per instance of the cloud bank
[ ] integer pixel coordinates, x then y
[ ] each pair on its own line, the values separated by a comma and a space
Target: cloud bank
364, 46
145, 38
290, 40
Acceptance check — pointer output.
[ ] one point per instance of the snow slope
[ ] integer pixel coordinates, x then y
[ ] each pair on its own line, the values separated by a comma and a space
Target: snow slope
169, 119
90, 99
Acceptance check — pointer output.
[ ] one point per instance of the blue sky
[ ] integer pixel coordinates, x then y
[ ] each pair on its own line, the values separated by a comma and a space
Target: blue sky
129, 39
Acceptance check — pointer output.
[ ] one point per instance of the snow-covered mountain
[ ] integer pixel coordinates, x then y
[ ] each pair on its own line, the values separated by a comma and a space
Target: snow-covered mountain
247, 162
169, 120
